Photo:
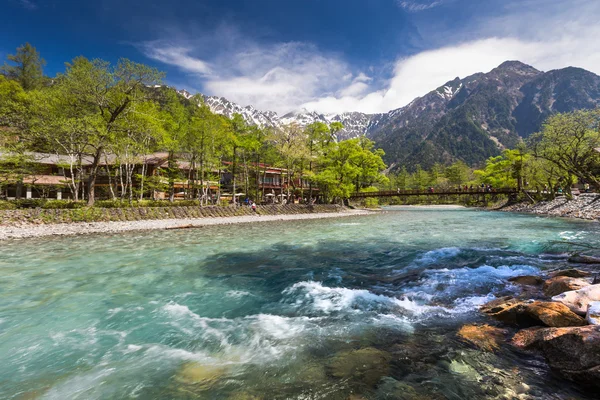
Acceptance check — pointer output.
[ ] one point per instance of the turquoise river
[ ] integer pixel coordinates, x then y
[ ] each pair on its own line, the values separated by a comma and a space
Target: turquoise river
363, 307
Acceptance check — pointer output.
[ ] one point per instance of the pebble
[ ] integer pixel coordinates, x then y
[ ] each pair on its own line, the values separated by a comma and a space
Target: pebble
584, 206
80, 228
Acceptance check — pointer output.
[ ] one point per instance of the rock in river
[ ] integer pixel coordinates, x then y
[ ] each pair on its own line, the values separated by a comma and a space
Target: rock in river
593, 313
560, 284
572, 273
199, 375
367, 365
574, 352
527, 314
485, 337
584, 259
527, 280
578, 300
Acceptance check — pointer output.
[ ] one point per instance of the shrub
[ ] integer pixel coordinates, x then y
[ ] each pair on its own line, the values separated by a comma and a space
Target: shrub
145, 203
7, 205
62, 205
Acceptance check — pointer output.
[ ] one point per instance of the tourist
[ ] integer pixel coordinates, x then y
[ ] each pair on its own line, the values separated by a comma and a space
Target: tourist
254, 206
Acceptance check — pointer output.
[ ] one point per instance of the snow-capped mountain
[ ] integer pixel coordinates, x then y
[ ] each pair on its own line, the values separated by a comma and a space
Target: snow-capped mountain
468, 119
355, 124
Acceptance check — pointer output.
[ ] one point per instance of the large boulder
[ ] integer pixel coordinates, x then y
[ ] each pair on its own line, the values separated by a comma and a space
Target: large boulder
578, 300
526, 314
573, 352
593, 313
554, 314
571, 273
560, 284
485, 337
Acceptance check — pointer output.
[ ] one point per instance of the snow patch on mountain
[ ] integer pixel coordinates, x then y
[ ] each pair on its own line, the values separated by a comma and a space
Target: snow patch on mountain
356, 124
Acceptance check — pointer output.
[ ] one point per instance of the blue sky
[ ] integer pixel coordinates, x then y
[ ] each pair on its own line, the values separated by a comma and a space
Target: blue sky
324, 55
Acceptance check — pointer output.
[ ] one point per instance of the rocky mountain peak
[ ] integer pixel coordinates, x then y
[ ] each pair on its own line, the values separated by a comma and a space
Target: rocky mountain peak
517, 67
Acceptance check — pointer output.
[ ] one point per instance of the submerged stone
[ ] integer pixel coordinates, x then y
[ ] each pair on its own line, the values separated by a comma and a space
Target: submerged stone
200, 376
364, 366
584, 259
485, 337
527, 280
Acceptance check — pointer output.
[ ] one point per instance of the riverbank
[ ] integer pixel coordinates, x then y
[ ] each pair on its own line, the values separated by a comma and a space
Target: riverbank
584, 206
37, 223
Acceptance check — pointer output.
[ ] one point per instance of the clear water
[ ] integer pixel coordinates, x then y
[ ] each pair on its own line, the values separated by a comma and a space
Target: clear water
367, 306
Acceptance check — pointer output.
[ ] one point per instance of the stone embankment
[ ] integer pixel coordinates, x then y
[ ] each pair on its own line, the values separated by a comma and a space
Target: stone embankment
584, 206
41, 222
556, 315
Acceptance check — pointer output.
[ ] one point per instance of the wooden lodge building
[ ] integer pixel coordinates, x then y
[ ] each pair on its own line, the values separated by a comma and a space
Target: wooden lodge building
49, 176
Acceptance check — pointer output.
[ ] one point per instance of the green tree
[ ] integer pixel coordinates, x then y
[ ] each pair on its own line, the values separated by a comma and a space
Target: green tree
317, 135
88, 109
504, 171
571, 141
350, 165
458, 173
27, 67
291, 145
13, 104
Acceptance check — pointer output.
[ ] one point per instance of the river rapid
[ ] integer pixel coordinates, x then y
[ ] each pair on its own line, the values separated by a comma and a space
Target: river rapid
356, 307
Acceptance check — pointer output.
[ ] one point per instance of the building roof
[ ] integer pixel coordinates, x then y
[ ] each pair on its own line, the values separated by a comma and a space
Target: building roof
48, 180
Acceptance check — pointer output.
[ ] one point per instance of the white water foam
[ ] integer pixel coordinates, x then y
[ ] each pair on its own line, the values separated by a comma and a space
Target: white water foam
433, 256
252, 339
322, 299
570, 235
237, 294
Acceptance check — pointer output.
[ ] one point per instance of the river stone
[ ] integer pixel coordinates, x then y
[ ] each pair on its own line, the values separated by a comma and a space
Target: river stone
571, 273
560, 284
578, 300
584, 259
485, 337
573, 352
593, 313
528, 280
365, 366
390, 388
526, 314
200, 376
554, 314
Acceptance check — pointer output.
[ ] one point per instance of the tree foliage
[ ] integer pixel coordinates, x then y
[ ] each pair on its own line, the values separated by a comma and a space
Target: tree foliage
571, 142
26, 67
98, 118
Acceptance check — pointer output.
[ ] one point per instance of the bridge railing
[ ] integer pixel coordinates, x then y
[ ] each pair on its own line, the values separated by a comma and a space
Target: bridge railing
435, 192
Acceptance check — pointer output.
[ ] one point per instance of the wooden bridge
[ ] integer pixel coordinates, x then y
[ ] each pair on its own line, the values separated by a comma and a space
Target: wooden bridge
434, 192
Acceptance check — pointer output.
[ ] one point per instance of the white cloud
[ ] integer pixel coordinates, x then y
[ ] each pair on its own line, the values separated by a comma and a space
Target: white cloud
551, 38
175, 55
28, 4
421, 5
287, 76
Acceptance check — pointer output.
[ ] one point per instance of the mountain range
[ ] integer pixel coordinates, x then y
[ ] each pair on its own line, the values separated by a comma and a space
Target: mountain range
467, 119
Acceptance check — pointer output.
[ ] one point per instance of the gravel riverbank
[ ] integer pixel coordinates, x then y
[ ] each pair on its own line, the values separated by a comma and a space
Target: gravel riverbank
584, 206
80, 228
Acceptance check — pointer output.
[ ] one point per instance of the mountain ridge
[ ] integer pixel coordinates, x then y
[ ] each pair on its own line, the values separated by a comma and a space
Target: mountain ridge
468, 119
